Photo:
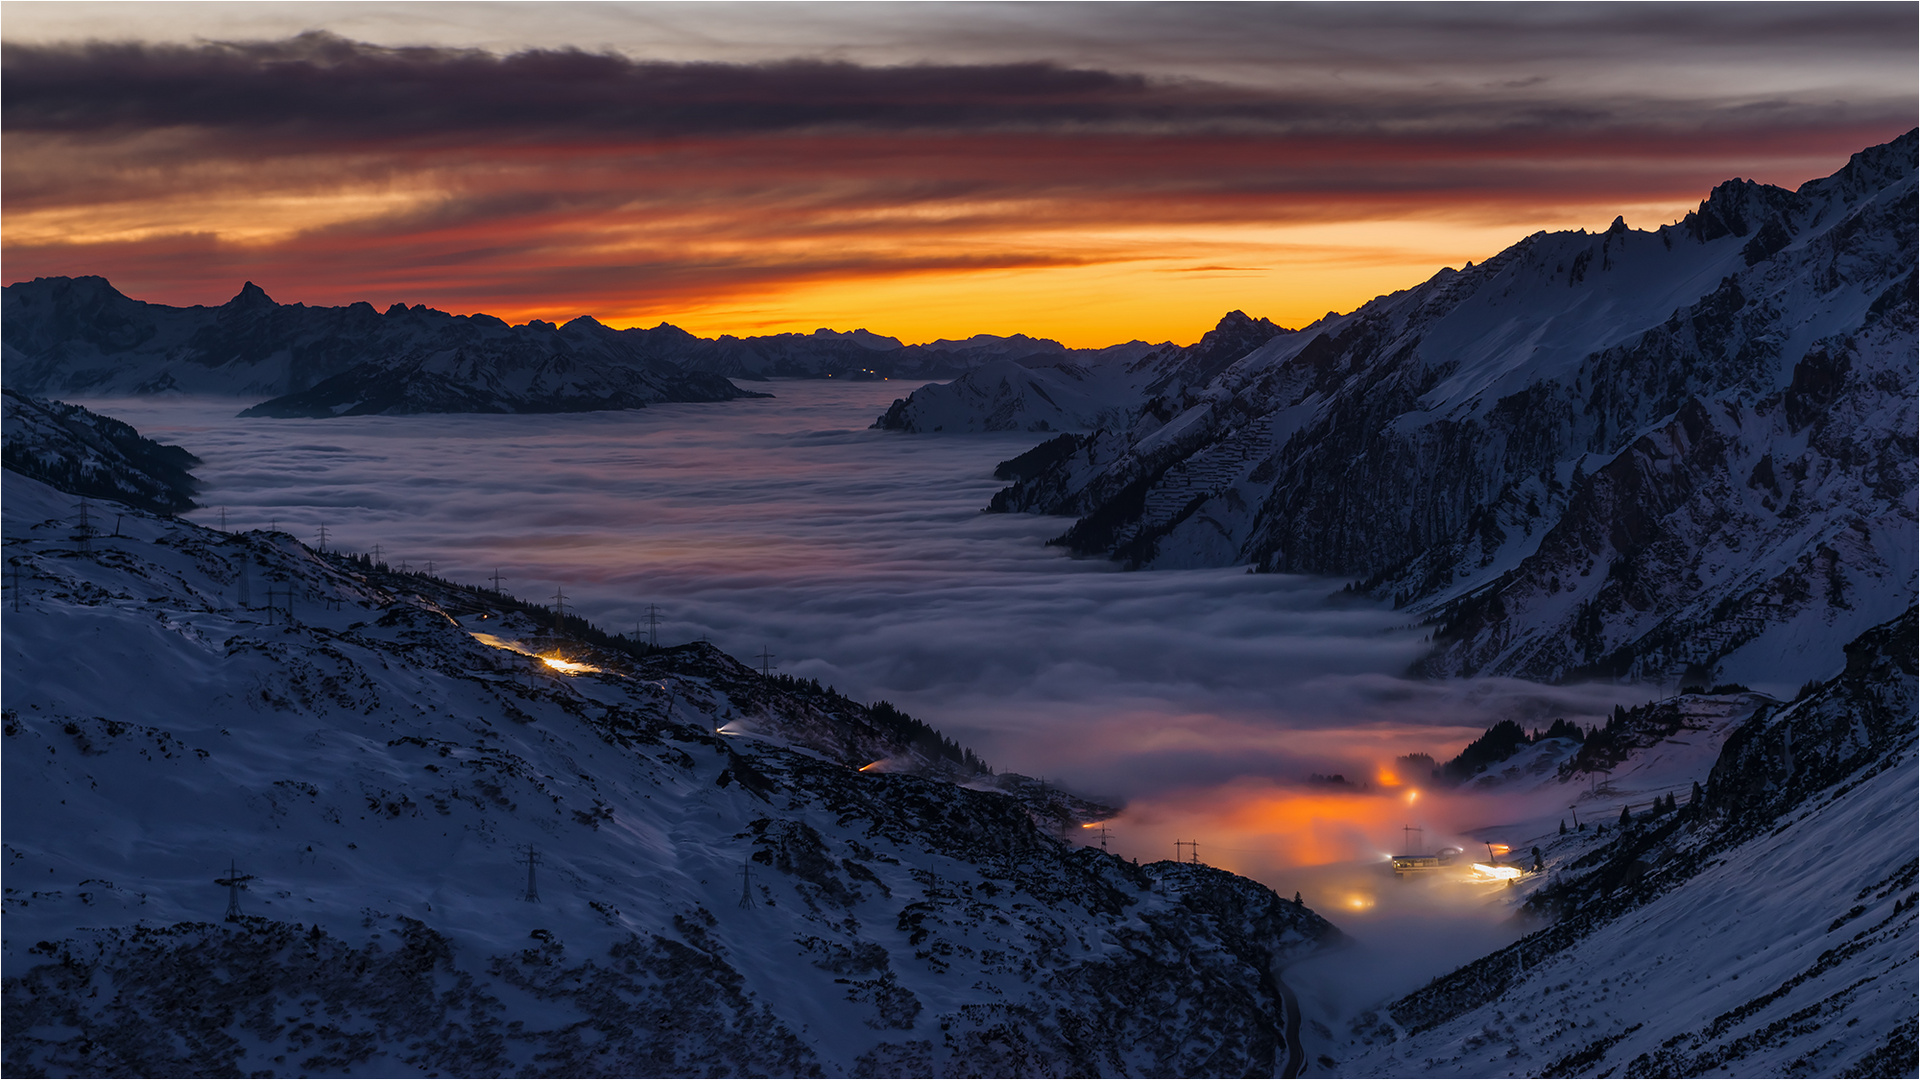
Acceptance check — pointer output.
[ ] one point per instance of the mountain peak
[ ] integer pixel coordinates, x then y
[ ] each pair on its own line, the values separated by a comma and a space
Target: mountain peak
251, 297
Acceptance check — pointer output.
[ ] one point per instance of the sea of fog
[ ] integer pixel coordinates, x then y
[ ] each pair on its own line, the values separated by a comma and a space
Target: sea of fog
1199, 699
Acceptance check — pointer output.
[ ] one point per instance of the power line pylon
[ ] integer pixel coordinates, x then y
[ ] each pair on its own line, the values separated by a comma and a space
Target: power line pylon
653, 627
533, 891
1178, 854
323, 536
559, 608
84, 534
496, 579
233, 881
1103, 836
766, 663
746, 884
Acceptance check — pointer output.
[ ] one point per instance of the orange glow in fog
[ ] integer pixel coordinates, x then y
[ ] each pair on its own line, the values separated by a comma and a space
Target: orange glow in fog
1265, 829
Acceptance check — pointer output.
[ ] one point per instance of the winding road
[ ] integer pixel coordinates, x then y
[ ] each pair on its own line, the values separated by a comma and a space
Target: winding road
1296, 1052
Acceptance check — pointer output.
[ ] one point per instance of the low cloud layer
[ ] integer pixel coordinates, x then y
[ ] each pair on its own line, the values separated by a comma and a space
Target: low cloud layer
861, 558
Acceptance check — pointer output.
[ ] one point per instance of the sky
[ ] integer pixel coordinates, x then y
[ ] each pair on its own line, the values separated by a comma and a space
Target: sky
1090, 173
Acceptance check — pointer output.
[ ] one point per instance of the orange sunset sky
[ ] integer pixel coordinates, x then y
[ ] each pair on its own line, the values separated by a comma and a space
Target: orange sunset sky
1091, 173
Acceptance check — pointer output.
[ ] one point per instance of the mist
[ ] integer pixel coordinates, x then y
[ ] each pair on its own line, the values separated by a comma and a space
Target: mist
1199, 702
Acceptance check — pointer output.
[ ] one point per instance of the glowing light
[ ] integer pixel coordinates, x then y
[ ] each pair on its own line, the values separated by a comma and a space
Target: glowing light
1411, 796
872, 765
1497, 873
1386, 777
1499, 849
567, 667
1093, 824
1359, 901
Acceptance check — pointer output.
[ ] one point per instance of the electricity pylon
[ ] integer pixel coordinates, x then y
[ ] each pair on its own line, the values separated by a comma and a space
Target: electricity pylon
233, 881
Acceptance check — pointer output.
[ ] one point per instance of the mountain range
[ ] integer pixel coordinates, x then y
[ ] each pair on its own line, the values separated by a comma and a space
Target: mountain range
80, 337
1682, 453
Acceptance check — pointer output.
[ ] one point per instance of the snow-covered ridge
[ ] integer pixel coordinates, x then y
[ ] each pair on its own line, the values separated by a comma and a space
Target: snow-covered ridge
1686, 451
721, 888
84, 453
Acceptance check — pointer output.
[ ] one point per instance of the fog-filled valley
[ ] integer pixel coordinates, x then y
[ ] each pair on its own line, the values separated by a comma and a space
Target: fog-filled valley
862, 559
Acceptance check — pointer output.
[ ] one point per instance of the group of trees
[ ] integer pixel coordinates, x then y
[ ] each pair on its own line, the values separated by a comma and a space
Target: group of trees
1501, 741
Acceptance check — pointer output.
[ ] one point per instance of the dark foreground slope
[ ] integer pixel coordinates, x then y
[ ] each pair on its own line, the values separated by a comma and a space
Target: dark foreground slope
1766, 929
721, 889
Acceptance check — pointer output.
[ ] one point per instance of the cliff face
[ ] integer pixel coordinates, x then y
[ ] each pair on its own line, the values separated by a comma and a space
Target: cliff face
1640, 453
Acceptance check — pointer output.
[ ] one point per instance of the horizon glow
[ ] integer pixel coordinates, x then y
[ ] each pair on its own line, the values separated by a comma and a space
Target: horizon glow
1088, 174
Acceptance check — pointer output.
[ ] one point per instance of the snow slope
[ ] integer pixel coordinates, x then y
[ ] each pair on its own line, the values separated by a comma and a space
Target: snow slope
377, 752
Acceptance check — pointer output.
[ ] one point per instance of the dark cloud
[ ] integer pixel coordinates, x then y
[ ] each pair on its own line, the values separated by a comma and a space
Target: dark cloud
318, 85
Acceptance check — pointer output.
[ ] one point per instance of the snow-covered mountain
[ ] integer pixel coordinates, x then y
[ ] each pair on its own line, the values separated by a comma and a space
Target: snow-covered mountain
1639, 453
1765, 928
84, 453
734, 874
1070, 390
